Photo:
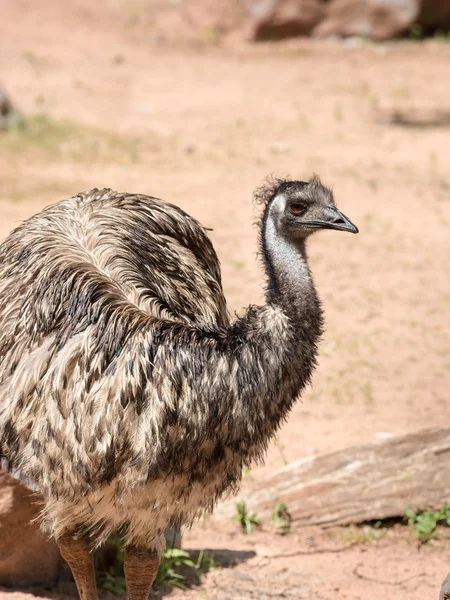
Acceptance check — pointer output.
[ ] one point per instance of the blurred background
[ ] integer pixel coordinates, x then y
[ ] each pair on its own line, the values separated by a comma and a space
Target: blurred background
196, 102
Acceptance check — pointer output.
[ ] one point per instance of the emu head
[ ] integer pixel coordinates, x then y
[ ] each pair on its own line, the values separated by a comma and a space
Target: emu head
299, 208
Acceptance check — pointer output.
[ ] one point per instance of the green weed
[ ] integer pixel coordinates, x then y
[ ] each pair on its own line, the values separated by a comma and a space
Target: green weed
177, 565
364, 534
281, 518
424, 524
416, 31
112, 578
169, 569
245, 517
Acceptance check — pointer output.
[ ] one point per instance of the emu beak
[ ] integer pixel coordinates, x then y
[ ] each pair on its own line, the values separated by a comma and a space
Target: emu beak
334, 219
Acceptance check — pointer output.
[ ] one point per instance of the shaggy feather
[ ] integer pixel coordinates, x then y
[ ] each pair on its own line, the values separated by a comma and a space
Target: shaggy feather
126, 395
276, 185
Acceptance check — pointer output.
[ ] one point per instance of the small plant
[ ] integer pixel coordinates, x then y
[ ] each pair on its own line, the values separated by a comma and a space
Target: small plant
245, 517
425, 523
114, 583
281, 518
365, 534
113, 578
416, 31
205, 562
176, 560
168, 573
441, 35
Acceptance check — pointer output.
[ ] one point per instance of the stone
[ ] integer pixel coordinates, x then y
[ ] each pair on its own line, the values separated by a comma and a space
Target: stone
376, 19
357, 484
212, 17
27, 556
280, 19
435, 14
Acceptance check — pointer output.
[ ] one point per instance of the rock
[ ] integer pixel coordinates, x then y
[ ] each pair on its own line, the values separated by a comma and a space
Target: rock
256, 19
361, 483
27, 557
435, 14
279, 19
376, 19
214, 17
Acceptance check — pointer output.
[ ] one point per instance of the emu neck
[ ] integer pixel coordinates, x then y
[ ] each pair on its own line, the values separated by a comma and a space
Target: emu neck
290, 284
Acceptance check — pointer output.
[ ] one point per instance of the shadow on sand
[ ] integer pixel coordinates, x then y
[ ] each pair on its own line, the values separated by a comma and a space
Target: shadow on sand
65, 589
220, 558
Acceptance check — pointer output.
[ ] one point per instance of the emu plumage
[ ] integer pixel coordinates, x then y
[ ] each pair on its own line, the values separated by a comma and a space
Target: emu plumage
127, 396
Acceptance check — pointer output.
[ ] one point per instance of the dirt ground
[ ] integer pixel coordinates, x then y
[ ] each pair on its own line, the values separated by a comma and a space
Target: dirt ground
129, 102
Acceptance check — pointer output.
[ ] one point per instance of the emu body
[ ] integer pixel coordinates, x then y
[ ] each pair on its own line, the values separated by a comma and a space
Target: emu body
127, 396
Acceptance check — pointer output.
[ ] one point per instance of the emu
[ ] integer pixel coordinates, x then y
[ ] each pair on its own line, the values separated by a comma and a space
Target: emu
128, 398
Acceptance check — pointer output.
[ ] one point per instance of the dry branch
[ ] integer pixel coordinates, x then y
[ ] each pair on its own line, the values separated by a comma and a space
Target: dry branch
361, 483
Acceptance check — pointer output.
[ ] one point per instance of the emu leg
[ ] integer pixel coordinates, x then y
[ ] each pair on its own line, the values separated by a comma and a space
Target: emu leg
77, 555
141, 567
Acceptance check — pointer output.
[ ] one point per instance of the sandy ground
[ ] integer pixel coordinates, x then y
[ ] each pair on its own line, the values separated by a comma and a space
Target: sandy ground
137, 107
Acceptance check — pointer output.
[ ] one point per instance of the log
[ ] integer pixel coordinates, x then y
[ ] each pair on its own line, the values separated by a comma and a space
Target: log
27, 556
361, 483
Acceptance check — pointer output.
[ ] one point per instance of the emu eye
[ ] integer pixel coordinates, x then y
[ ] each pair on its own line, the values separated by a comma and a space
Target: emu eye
297, 209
